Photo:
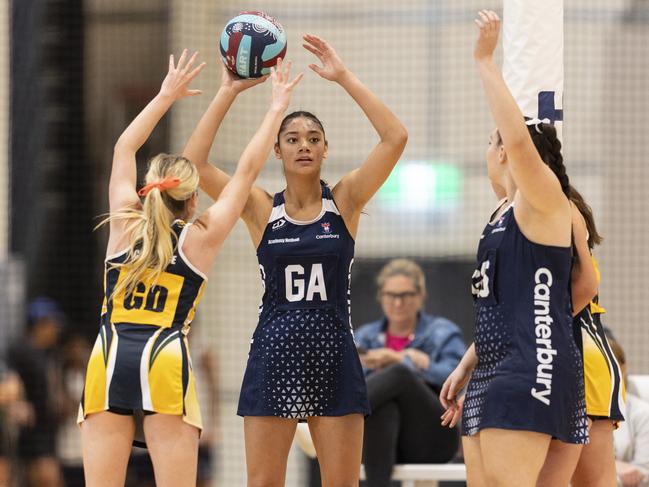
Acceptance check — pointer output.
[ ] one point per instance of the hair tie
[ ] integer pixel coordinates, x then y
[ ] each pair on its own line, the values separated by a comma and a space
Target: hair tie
537, 122
169, 182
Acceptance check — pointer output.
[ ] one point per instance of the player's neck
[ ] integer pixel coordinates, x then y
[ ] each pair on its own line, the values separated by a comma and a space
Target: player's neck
510, 189
302, 192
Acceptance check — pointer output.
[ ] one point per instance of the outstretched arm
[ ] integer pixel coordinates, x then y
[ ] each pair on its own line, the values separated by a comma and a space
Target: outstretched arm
212, 179
536, 181
205, 238
357, 187
121, 189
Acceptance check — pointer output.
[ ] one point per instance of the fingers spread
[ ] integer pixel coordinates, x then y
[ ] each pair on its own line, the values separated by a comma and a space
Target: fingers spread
318, 42
316, 68
190, 62
196, 70
313, 50
287, 70
297, 79
181, 61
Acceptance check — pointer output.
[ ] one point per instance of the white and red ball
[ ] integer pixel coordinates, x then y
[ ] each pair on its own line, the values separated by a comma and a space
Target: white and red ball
251, 43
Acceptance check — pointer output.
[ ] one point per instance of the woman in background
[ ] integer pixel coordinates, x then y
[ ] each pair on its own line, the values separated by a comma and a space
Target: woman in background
407, 355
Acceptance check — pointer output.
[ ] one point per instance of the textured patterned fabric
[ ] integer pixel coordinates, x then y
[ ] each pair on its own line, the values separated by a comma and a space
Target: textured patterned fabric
302, 359
529, 374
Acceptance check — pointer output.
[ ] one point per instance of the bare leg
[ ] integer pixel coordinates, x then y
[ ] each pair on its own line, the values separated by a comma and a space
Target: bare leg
596, 467
560, 464
513, 458
106, 438
339, 444
268, 441
475, 473
173, 446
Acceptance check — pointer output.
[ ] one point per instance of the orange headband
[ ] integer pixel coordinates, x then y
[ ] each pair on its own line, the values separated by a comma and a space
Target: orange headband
169, 182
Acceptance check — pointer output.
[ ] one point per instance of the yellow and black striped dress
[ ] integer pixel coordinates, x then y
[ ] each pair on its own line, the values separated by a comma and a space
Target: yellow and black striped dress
605, 391
140, 362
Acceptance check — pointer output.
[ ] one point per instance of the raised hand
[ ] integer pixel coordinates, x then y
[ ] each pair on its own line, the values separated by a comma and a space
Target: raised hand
282, 87
332, 69
489, 25
237, 84
176, 84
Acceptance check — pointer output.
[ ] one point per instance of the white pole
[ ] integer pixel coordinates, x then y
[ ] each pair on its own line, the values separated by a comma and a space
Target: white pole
533, 56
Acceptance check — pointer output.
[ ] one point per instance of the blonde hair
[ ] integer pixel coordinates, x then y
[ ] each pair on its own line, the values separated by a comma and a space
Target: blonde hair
402, 267
151, 240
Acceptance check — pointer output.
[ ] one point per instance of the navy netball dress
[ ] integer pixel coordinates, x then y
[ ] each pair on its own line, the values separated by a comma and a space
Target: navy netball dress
302, 360
529, 374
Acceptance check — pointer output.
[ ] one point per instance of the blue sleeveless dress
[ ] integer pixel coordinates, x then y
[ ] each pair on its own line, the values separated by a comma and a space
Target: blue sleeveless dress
302, 360
529, 374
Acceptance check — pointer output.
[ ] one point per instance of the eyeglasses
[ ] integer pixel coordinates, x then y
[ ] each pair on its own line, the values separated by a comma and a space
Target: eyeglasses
404, 296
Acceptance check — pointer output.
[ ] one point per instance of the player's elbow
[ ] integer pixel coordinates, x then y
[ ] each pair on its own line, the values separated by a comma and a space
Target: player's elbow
398, 136
246, 172
583, 292
122, 147
251, 169
590, 288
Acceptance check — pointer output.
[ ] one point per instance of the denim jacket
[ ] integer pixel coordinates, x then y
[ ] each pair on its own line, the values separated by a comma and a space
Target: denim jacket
438, 337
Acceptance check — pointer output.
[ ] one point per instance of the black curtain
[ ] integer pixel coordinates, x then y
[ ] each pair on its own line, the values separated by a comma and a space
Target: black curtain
51, 199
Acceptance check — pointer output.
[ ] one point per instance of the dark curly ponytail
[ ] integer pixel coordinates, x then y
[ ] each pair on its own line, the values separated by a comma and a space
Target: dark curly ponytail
548, 145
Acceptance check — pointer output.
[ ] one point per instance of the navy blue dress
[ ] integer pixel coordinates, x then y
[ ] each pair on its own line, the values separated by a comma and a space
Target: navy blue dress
529, 374
302, 360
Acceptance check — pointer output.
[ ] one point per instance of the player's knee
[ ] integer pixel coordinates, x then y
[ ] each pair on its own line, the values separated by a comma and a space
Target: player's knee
344, 483
494, 476
264, 479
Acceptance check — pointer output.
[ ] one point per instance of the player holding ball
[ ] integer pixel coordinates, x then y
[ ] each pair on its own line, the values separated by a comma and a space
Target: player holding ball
303, 365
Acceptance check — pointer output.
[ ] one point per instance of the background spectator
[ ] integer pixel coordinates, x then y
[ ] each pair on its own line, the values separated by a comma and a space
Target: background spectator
632, 437
75, 353
34, 360
407, 355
